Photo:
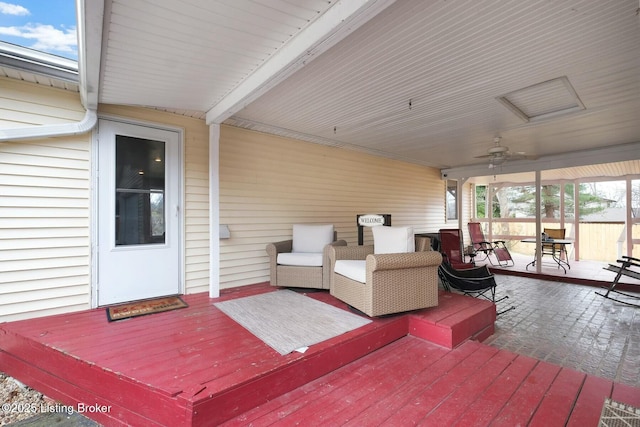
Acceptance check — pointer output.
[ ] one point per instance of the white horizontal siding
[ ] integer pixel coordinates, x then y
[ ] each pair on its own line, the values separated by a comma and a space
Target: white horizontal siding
268, 183
44, 207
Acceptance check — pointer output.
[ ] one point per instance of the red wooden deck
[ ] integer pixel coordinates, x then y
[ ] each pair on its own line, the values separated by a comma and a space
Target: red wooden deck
414, 382
196, 366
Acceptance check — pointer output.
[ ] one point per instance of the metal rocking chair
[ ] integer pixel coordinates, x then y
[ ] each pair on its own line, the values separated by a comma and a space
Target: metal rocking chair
477, 282
498, 248
625, 268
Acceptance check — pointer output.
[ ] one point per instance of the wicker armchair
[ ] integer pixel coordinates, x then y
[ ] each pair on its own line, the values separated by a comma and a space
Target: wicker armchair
394, 282
300, 276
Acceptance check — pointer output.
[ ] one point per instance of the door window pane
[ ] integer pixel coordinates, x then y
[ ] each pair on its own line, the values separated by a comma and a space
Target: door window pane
140, 185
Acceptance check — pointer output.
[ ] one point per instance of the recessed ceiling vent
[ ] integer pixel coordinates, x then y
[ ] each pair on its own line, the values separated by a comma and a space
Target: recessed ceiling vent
543, 100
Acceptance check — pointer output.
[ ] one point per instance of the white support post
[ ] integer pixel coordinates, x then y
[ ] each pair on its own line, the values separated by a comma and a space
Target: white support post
538, 255
489, 211
576, 220
629, 217
460, 201
562, 219
214, 211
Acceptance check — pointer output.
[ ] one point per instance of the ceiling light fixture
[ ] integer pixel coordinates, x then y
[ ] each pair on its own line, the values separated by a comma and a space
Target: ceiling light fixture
498, 160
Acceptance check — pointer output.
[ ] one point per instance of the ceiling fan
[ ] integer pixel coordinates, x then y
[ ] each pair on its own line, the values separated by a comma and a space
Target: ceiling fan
498, 154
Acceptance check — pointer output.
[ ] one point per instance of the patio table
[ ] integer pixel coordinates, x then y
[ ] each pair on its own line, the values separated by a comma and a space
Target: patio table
560, 243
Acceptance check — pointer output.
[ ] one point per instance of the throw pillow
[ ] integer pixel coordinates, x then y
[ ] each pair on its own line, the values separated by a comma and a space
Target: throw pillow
393, 240
311, 238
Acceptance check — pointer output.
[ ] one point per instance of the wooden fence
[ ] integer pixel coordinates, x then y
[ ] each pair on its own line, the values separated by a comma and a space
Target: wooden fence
599, 241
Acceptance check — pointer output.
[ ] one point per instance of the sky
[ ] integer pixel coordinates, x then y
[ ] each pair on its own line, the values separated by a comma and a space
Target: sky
44, 25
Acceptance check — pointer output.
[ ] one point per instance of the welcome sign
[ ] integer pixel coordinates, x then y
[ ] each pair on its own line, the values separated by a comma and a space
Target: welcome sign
370, 220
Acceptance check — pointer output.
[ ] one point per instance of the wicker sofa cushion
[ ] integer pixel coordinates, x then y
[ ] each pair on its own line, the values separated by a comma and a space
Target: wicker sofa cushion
302, 259
311, 238
353, 269
393, 240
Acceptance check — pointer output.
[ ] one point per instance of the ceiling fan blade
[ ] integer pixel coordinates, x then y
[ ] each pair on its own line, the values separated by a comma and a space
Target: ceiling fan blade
498, 154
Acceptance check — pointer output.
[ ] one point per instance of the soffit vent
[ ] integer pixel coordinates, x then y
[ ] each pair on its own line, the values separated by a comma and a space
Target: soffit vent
543, 100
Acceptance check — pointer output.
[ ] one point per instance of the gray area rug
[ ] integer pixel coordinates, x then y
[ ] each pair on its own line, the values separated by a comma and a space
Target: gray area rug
287, 321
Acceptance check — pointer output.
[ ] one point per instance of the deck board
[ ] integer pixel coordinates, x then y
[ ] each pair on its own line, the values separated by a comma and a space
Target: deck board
411, 383
453, 405
423, 364
467, 361
524, 402
589, 404
358, 391
557, 404
489, 403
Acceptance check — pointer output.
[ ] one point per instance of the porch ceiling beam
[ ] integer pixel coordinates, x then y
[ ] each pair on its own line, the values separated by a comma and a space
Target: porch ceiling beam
614, 153
344, 17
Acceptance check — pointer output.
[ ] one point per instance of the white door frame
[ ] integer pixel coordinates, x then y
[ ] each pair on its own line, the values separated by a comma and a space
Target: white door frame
94, 211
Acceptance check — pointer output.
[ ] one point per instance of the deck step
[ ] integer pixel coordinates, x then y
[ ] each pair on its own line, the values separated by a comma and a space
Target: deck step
457, 319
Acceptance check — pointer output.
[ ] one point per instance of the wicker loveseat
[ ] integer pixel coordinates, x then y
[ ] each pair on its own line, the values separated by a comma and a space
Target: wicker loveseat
305, 263
385, 283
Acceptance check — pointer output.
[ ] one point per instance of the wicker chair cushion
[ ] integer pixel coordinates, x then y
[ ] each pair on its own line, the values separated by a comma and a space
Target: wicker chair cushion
352, 269
302, 259
393, 240
311, 238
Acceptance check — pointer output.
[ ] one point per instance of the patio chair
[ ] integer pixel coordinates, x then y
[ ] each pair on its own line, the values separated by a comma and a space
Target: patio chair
386, 277
303, 260
497, 248
451, 248
477, 282
557, 250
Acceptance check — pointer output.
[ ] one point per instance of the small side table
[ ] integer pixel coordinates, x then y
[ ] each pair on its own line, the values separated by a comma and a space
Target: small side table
471, 253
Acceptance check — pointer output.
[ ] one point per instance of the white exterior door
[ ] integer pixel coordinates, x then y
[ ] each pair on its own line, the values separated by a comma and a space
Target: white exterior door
139, 213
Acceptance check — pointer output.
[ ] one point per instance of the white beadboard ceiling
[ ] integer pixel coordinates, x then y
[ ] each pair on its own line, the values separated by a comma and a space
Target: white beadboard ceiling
416, 80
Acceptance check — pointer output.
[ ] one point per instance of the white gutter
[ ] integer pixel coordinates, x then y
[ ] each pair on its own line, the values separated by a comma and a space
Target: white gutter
56, 68
49, 131
86, 70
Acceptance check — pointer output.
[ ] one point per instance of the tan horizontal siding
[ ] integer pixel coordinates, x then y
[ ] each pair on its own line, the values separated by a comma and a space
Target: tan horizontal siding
268, 183
24, 104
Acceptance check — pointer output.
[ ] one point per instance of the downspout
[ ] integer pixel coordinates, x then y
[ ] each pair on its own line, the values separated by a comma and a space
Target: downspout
49, 131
